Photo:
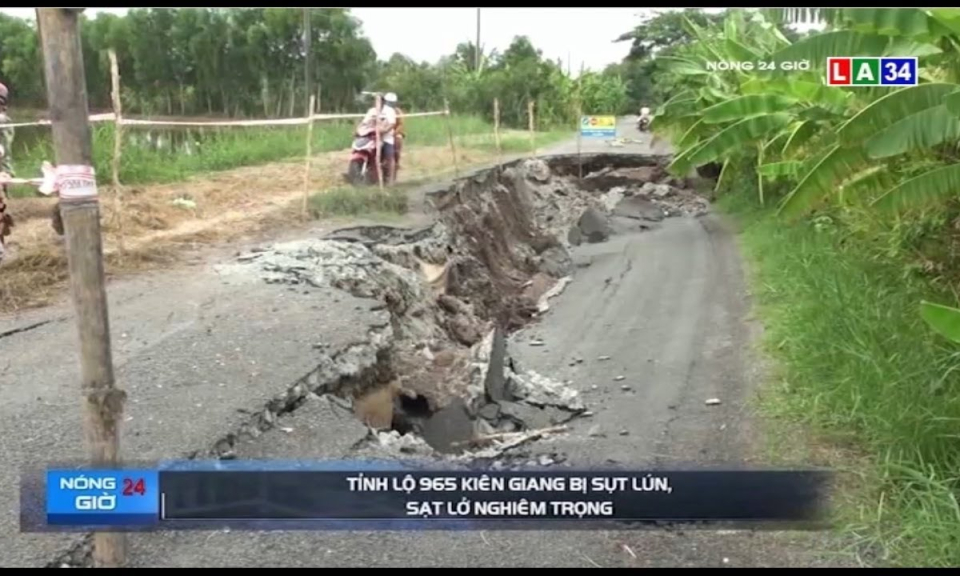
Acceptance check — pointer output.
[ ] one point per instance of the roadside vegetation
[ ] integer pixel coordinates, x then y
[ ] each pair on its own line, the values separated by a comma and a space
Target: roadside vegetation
848, 204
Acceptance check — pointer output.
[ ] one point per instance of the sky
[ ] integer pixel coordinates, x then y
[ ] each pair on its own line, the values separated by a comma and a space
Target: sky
580, 35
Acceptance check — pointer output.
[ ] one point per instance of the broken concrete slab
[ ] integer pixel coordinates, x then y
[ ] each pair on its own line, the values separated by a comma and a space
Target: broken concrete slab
556, 262
397, 445
490, 412
320, 428
533, 417
539, 390
448, 427
495, 382
656, 190
594, 226
537, 170
639, 208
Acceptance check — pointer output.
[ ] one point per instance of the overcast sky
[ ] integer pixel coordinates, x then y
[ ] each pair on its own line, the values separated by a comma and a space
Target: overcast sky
580, 34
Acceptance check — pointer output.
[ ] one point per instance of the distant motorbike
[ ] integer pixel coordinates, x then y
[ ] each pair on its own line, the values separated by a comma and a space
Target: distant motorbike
363, 155
643, 124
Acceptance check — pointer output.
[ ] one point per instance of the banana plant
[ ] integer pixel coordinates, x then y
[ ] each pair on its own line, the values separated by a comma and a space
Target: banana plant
944, 320
903, 121
807, 133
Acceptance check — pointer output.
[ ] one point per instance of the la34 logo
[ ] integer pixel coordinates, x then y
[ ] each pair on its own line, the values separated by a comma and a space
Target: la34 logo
851, 71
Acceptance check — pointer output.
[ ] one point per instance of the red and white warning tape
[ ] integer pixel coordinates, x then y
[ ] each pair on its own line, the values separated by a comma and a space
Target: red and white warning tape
93, 118
72, 182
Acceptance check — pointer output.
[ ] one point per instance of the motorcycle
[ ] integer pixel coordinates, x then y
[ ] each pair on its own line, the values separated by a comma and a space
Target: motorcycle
363, 154
643, 124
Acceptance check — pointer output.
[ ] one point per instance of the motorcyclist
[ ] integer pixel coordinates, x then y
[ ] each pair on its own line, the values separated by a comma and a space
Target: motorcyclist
644, 120
390, 102
387, 122
6, 168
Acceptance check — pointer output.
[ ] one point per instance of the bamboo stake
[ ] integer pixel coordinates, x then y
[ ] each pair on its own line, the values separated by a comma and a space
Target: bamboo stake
453, 147
579, 140
376, 131
309, 156
496, 129
117, 146
533, 134
580, 122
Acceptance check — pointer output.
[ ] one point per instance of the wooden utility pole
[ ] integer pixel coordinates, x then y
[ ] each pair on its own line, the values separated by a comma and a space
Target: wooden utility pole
67, 98
308, 60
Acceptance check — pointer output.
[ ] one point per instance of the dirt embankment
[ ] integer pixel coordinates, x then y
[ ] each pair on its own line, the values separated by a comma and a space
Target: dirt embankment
436, 379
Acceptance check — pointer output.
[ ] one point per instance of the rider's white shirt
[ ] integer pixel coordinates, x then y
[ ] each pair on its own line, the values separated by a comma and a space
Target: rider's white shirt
388, 115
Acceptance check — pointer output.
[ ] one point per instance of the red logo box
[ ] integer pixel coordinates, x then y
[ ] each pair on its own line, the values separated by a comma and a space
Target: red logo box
839, 71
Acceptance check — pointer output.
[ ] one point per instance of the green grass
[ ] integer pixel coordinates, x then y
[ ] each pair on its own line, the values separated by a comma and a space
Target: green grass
226, 148
859, 366
517, 143
350, 201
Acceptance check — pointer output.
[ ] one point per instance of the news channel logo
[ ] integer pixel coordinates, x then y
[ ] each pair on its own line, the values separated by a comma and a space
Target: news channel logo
102, 497
852, 71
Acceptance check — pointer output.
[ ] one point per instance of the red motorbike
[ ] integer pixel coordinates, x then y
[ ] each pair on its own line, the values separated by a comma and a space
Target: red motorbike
363, 155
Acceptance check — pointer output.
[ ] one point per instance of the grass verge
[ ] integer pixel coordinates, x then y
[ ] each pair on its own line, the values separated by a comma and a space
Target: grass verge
349, 201
859, 368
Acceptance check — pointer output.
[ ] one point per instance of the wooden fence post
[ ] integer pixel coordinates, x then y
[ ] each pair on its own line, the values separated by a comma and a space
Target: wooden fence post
533, 134
579, 120
67, 99
376, 131
117, 147
579, 140
309, 155
496, 129
453, 146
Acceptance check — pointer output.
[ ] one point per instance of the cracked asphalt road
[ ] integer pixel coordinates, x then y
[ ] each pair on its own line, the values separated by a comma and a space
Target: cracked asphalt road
668, 306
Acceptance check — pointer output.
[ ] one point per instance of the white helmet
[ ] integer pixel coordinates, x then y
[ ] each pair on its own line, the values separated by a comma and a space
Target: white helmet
645, 111
390, 98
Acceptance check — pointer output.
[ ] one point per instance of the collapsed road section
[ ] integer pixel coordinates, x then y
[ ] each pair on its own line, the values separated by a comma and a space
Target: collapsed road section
489, 265
434, 377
